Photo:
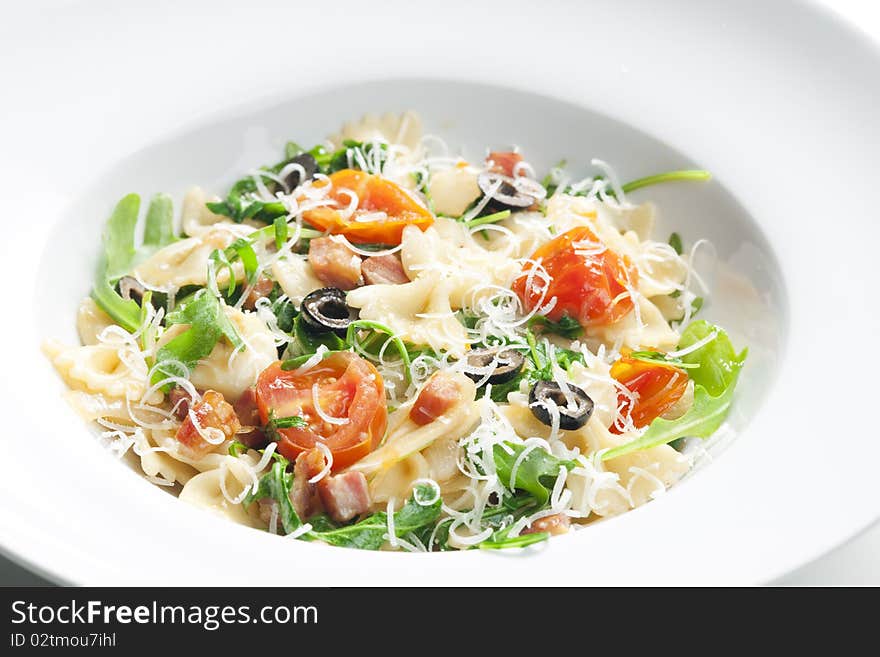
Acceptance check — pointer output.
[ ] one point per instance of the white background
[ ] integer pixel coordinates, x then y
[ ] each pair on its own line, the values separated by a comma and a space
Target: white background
857, 562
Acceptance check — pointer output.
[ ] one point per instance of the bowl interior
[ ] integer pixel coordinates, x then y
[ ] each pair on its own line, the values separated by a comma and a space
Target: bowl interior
747, 290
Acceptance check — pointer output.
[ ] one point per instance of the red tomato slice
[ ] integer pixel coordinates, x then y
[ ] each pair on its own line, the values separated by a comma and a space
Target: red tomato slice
348, 387
588, 280
375, 194
656, 388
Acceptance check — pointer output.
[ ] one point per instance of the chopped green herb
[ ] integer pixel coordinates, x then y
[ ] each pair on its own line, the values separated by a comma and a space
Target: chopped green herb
676, 244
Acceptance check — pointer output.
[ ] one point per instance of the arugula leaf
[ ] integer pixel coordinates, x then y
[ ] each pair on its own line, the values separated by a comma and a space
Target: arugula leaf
236, 448
276, 485
119, 255
119, 237
361, 153
662, 359
159, 223
289, 422
669, 176
243, 249
295, 363
536, 474
550, 182
500, 391
124, 312
536, 367
567, 327
247, 255
488, 219
377, 329
292, 149
718, 362
631, 186
284, 312
503, 542
369, 533
714, 384
280, 231
207, 324
307, 343
241, 202
703, 419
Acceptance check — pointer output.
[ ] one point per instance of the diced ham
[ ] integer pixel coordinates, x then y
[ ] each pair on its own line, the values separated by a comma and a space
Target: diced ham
263, 287
213, 413
384, 269
334, 264
179, 399
554, 525
302, 494
249, 416
503, 162
345, 495
440, 393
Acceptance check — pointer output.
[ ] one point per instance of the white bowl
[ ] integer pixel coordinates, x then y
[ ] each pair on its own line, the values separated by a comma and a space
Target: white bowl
790, 140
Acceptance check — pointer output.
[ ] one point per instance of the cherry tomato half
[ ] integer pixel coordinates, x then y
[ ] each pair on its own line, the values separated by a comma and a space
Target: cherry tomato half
656, 388
588, 280
375, 194
503, 162
345, 386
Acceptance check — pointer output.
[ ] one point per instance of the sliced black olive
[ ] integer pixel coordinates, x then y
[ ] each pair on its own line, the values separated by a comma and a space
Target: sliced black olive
325, 310
131, 288
295, 178
506, 196
546, 392
509, 363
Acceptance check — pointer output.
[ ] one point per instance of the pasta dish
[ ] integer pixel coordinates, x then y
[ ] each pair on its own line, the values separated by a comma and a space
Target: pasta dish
377, 343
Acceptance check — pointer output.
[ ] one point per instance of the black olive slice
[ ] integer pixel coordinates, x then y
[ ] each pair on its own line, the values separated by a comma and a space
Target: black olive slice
294, 179
545, 393
509, 363
130, 288
325, 310
503, 192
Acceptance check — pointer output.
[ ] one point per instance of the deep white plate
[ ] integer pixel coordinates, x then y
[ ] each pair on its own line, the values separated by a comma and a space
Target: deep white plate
776, 99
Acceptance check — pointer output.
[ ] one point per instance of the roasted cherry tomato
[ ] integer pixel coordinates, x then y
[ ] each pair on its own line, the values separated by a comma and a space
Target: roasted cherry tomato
347, 389
503, 162
655, 387
375, 195
588, 280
